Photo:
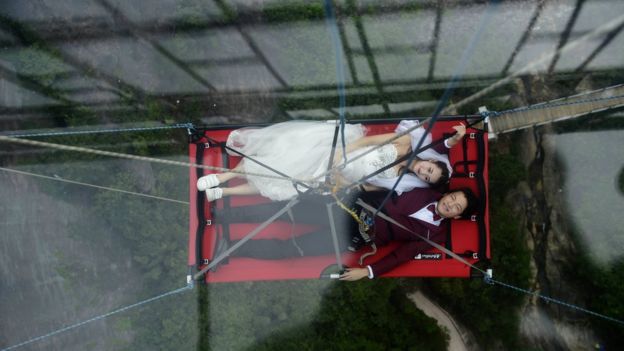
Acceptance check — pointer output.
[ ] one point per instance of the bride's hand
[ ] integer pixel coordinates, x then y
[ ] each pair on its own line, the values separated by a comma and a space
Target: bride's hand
461, 131
338, 179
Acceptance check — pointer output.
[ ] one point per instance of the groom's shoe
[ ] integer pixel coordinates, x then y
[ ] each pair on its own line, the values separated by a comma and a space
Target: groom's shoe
207, 182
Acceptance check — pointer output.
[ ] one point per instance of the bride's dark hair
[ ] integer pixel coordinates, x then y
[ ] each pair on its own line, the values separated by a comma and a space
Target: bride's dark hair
444, 174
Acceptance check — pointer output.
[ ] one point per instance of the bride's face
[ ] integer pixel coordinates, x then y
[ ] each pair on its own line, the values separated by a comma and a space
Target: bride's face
426, 170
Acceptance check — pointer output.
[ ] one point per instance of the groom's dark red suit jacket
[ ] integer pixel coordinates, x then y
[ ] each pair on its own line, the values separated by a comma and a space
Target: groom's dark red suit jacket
400, 209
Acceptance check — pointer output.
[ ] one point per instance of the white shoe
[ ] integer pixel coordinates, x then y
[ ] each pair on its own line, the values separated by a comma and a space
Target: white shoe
214, 194
207, 182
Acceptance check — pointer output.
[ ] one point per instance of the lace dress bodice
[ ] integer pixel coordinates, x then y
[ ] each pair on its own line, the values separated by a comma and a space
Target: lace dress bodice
371, 162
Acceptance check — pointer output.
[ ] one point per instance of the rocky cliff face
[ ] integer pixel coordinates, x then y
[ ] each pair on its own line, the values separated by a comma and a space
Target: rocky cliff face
539, 202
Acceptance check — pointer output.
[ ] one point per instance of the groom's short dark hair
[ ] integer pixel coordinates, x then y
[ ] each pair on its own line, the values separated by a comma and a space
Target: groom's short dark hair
472, 202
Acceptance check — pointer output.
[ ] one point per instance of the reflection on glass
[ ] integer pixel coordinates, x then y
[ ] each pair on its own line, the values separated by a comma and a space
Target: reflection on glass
593, 163
68, 253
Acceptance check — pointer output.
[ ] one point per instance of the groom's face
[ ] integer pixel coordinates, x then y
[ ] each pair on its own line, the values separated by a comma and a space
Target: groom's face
452, 204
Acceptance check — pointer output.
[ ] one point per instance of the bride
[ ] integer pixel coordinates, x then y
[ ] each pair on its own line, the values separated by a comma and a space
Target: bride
301, 150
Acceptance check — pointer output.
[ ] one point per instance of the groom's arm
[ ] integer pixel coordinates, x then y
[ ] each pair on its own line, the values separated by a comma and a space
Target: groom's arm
404, 253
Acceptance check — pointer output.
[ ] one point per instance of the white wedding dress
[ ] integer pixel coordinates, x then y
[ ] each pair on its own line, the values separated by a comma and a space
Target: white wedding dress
301, 149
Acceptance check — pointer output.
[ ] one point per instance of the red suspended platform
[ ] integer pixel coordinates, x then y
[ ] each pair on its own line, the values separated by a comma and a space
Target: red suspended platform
469, 238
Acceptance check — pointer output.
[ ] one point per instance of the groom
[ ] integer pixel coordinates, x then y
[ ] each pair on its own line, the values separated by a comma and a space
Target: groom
423, 210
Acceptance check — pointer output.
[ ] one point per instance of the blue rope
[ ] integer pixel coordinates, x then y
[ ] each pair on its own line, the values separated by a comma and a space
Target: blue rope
550, 299
330, 19
101, 131
73, 326
447, 92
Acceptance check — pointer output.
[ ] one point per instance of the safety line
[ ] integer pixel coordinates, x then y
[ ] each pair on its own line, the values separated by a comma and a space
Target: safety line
550, 299
102, 316
58, 179
101, 131
332, 154
133, 157
330, 19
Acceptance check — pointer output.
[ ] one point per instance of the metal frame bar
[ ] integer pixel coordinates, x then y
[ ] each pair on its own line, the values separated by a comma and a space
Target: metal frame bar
565, 35
29, 37
347, 50
435, 41
525, 36
610, 36
118, 17
370, 58
93, 28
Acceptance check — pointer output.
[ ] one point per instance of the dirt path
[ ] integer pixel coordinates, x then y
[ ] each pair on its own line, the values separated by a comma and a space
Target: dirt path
459, 339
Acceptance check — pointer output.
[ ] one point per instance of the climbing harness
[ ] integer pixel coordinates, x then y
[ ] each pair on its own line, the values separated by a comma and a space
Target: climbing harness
365, 223
4, 138
366, 226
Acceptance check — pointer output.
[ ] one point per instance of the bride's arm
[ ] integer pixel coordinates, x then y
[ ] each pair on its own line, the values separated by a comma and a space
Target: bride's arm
341, 182
443, 148
371, 140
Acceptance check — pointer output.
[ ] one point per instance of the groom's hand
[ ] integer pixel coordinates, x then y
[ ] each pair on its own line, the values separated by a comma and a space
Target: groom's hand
353, 274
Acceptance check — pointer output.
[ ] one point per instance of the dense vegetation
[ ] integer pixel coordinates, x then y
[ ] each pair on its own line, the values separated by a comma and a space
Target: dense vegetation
315, 315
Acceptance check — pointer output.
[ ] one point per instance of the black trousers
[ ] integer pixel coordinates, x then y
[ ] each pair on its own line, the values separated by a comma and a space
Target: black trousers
310, 210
